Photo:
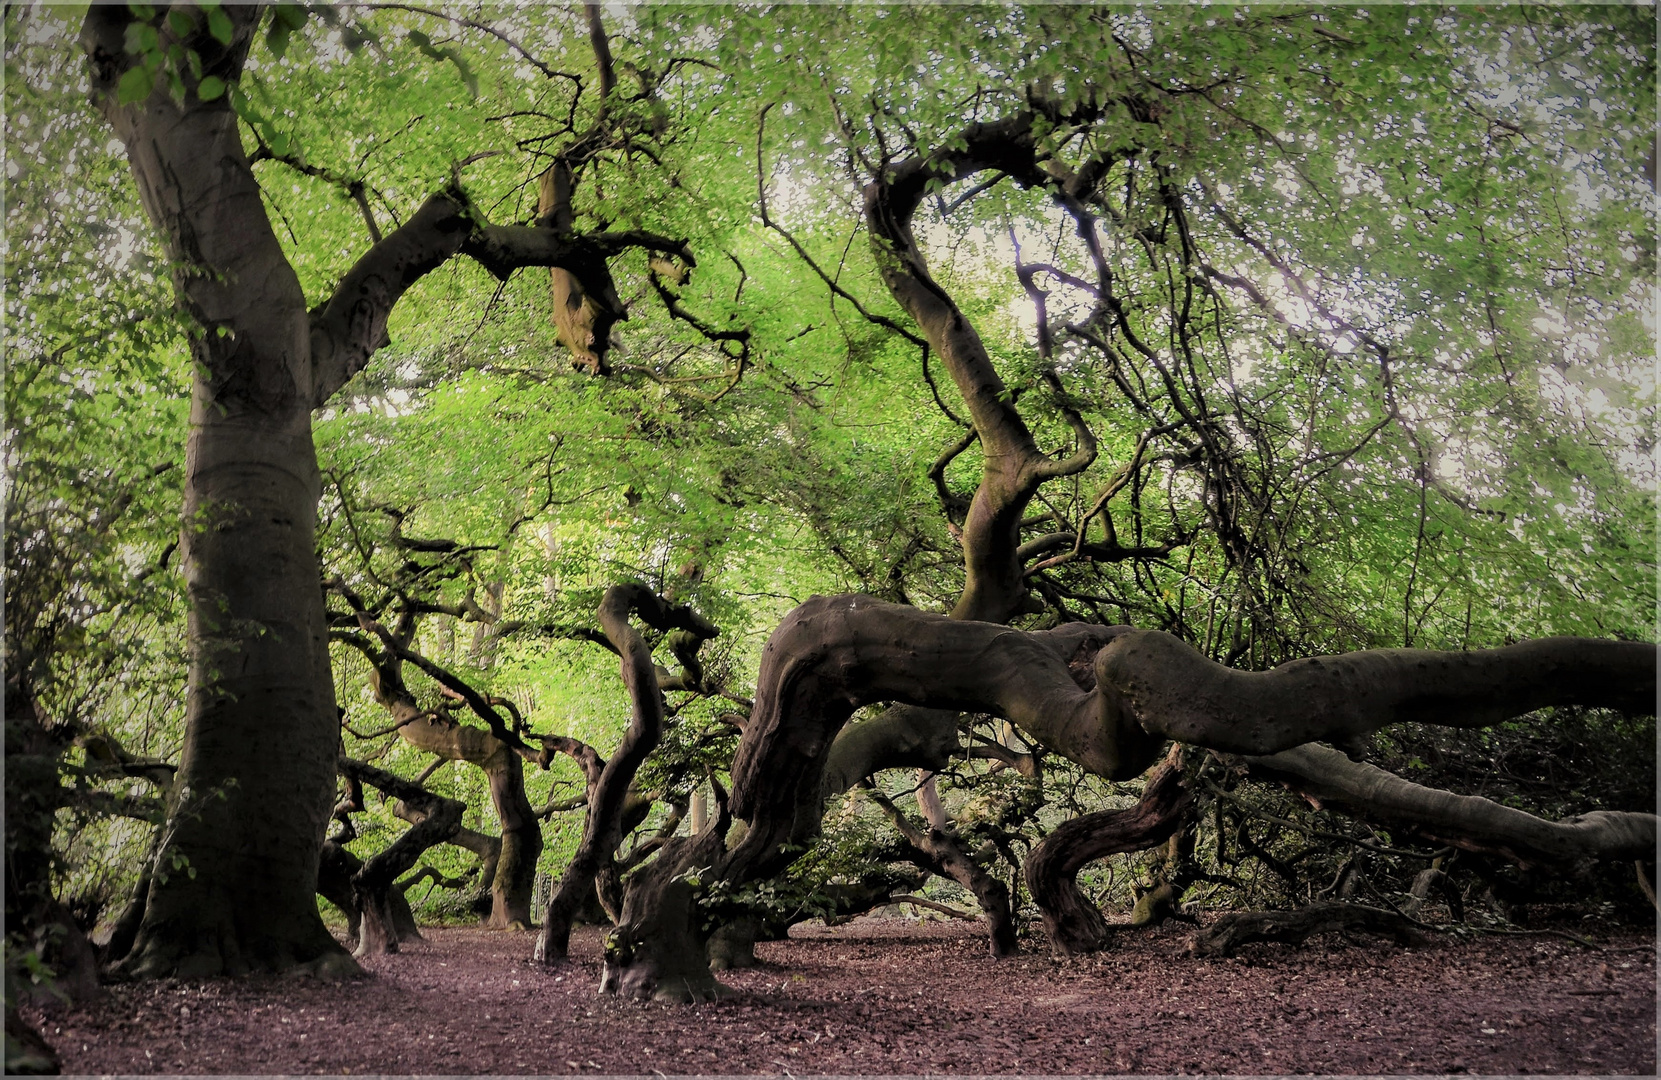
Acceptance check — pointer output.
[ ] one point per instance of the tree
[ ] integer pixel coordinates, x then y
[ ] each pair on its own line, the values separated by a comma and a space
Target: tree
1108, 698
1266, 384
261, 729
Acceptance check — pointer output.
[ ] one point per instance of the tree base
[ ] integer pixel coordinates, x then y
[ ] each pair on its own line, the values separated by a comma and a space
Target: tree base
733, 946
660, 954
214, 951
642, 980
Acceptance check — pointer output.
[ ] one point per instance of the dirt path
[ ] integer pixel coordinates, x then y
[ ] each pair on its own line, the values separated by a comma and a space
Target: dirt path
902, 997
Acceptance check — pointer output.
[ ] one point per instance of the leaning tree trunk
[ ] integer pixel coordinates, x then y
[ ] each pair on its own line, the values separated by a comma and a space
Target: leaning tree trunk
937, 849
238, 866
334, 884
371, 883
1073, 923
512, 864
488, 849
603, 823
513, 879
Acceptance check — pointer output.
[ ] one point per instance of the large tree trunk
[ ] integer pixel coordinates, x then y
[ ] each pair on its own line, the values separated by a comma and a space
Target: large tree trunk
235, 889
237, 872
257, 780
660, 948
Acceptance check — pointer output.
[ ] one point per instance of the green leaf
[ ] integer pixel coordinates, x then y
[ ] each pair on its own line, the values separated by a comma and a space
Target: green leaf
141, 39
134, 86
211, 88
285, 19
180, 22
355, 37
219, 25
276, 38
291, 15
244, 108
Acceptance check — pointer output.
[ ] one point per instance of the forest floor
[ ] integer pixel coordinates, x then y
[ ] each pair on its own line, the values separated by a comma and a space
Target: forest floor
898, 996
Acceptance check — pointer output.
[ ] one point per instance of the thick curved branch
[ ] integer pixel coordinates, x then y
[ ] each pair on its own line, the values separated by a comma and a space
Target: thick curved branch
348, 327
900, 737
587, 758
1108, 697
941, 852
488, 848
834, 654
889, 207
953, 506
1175, 692
1013, 467
1046, 468
1333, 781
1073, 923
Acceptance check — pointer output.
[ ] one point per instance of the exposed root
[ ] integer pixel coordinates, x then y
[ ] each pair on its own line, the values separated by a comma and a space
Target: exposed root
334, 967
1230, 932
690, 991
222, 951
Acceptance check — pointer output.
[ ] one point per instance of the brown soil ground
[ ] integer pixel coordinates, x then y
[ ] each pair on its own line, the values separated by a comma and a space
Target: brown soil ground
895, 996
